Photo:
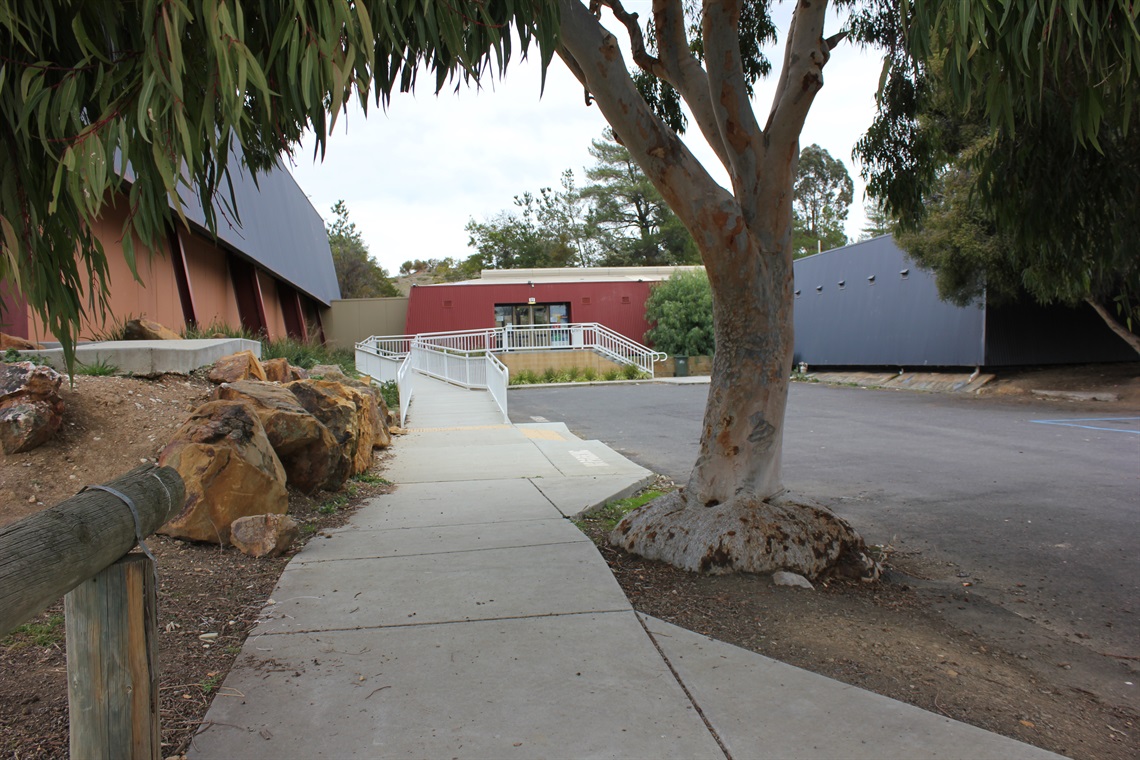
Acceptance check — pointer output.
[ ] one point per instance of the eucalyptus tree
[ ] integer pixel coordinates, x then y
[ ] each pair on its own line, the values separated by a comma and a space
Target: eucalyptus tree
357, 273
733, 513
94, 93
550, 229
822, 194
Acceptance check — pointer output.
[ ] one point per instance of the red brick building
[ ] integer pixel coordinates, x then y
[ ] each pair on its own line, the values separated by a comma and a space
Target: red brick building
611, 296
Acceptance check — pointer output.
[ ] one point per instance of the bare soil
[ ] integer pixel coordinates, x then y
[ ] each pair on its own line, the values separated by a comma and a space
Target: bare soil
112, 424
900, 637
891, 638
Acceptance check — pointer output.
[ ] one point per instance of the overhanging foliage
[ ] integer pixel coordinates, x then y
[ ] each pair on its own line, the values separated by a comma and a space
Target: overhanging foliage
93, 94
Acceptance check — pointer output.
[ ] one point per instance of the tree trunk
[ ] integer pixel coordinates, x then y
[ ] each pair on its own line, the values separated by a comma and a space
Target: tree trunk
732, 516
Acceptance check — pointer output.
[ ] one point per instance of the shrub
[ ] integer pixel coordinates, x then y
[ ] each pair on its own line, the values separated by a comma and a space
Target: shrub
679, 311
308, 354
390, 391
631, 372
117, 330
612, 374
589, 375
573, 373
524, 377
550, 375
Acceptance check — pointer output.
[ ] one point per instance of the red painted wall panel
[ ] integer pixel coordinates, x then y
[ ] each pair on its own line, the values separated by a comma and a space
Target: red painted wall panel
619, 306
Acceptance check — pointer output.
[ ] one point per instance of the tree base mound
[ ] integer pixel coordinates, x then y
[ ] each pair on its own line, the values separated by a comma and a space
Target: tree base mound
746, 534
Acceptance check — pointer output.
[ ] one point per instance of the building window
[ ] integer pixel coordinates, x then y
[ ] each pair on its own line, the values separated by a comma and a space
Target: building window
531, 314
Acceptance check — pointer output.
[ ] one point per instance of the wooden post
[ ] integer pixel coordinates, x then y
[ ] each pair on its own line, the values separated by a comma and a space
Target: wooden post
44, 556
112, 666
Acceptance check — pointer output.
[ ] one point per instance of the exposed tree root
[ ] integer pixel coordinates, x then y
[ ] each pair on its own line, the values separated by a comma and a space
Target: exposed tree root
746, 534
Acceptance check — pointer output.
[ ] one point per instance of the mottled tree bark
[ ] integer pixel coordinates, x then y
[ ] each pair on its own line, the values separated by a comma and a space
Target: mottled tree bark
733, 513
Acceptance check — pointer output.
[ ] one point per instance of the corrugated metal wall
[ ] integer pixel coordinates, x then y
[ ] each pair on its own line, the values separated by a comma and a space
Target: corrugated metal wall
1027, 333
855, 307
619, 306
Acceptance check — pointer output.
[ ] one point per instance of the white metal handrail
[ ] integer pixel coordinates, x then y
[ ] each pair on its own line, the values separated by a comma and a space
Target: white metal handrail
498, 380
405, 383
380, 364
572, 336
388, 345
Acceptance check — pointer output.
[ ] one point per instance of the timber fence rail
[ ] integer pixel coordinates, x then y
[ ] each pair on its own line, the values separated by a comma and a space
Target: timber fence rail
79, 549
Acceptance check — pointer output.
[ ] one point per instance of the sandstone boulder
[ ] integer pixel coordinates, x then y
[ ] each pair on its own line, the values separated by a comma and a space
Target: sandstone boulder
305, 447
330, 403
378, 412
240, 366
277, 371
20, 344
31, 410
145, 329
264, 535
229, 468
367, 425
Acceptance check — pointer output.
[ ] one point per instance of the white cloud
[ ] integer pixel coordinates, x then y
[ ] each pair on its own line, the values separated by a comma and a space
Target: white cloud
413, 176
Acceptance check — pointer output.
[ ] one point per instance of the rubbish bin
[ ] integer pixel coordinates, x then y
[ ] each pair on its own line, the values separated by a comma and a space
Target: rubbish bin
680, 366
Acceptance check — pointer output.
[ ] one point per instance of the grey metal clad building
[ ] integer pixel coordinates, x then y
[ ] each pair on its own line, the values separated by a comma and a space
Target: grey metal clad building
279, 230
868, 304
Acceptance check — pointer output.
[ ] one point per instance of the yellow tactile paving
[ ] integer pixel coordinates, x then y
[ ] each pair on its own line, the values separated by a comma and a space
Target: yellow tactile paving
539, 434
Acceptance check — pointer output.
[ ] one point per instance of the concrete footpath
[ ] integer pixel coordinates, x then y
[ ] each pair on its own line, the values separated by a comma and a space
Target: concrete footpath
463, 616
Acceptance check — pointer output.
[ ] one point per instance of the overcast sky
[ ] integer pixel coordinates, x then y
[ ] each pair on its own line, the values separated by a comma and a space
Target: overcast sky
413, 176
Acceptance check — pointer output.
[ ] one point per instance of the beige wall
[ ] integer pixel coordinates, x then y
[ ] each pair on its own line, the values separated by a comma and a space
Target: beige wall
350, 321
540, 361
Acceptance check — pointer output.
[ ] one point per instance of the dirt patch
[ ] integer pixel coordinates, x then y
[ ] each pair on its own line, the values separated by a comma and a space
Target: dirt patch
111, 425
894, 638
1120, 380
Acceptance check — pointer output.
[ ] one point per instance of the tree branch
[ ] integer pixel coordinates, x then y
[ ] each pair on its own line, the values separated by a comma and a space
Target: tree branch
801, 77
682, 181
1127, 336
685, 73
730, 103
641, 56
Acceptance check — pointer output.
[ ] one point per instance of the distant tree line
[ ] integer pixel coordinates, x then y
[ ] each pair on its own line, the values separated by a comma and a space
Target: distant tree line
357, 273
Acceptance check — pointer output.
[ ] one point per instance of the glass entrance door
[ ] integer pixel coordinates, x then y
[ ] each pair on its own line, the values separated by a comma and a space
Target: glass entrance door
532, 314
